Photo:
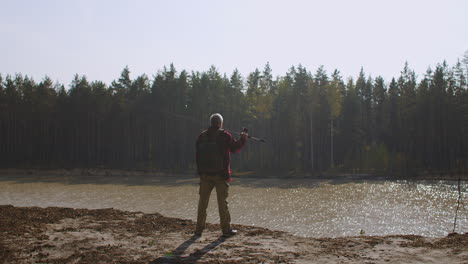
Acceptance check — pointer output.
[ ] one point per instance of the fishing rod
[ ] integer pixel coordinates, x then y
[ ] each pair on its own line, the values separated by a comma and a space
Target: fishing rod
244, 130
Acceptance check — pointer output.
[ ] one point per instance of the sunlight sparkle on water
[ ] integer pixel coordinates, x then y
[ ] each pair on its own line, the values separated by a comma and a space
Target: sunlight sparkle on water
302, 207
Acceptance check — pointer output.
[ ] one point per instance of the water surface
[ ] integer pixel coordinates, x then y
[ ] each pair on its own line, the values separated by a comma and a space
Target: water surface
319, 208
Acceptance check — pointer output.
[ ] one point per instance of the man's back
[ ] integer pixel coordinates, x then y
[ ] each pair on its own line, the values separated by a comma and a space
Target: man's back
210, 149
207, 160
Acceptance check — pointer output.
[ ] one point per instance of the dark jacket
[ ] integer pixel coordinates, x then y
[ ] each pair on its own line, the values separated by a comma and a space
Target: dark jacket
228, 145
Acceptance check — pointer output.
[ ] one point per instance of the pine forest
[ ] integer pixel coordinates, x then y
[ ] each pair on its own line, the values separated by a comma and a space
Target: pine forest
314, 123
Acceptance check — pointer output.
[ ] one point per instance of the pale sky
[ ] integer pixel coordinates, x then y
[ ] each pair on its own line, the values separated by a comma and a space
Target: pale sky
99, 38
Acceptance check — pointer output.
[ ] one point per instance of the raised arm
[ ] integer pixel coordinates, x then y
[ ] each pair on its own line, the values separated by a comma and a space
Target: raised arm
233, 144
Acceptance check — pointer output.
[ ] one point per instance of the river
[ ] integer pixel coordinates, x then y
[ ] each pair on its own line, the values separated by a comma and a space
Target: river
304, 207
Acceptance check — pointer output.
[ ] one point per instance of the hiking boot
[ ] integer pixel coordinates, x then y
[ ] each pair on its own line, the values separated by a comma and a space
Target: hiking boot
231, 232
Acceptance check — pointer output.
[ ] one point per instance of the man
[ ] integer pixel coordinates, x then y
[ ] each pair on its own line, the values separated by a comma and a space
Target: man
213, 148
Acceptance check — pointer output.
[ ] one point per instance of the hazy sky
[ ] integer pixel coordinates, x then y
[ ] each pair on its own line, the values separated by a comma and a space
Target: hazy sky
98, 38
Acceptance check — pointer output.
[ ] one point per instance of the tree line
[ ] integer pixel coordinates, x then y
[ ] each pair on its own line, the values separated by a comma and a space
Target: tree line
313, 122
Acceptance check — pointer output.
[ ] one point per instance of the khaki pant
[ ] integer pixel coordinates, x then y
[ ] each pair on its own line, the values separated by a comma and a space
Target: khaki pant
207, 183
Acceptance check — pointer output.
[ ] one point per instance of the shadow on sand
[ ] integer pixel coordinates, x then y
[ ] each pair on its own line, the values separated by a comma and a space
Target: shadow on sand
176, 255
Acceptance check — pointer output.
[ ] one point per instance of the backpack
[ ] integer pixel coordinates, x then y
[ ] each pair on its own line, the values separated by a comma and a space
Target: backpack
209, 153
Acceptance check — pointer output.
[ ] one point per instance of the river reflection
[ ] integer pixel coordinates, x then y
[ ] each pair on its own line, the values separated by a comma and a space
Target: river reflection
302, 207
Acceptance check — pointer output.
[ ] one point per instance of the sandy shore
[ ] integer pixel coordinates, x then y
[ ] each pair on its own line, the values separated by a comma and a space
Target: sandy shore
65, 235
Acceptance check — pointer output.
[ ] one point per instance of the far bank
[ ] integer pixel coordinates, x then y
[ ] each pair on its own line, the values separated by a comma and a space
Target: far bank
102, 172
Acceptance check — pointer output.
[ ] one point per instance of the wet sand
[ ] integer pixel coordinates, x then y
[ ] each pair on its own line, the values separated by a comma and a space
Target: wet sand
65, 235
